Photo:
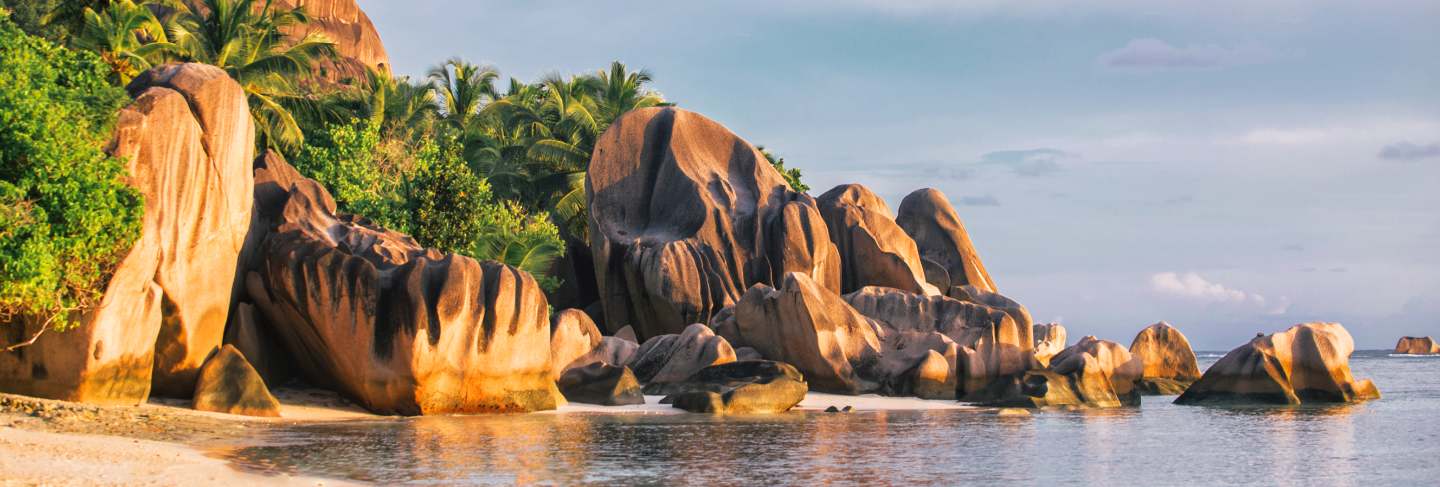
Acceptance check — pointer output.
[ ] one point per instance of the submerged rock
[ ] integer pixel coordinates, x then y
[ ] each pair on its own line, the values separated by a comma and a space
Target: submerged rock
399, 328
228, 384
1307, 363
874, 250
685, 215
188, 139
1049, 340
601, 383
745, 387
926, 215
1417, 346
1170, 364
670, 359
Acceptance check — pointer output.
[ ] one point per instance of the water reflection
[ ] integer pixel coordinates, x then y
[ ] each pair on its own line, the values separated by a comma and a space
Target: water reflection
1385, 442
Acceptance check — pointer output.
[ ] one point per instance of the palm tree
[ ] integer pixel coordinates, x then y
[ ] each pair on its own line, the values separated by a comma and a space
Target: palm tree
462, 90
246, 40
127, 36
621, 90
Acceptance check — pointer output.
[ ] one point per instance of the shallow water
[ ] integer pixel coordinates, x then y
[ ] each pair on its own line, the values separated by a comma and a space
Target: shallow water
1395, 440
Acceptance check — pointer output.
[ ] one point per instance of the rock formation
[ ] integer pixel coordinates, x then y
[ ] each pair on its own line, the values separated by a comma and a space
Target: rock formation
945, 247
685, 216
748, 387
1049, 340
356, 40
1417, 346
601, 383
398, 328
576, 342
1092, 373
874, 251
258, 344
1169, 362
1307, 363
228, 384
188, 140
670, 359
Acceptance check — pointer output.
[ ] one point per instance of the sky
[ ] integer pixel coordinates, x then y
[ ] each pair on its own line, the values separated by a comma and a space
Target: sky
1231, 166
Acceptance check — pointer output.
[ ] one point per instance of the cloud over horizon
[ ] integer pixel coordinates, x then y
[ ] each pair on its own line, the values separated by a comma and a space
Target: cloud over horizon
1191, 286
1155, 54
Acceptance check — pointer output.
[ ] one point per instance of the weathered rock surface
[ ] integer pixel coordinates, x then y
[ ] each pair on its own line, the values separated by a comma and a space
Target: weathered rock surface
991, 344
188, 140
746, 387
874, 250
670, 359
228, 384
1170, 364
601, 383
398, 328
935, 377
805, 325
355, 38
685, 216
1091, 373
1307, 363
575, 341
940, 236
1017, 312
1417, 346
258, 344
1049, 340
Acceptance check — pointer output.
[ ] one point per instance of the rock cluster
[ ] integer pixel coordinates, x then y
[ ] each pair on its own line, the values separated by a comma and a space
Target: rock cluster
1417, 346
1307, 363
1170, 364
1092, 373
188, 139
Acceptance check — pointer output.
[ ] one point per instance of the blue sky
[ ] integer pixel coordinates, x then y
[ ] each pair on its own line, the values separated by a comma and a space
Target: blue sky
1231, 167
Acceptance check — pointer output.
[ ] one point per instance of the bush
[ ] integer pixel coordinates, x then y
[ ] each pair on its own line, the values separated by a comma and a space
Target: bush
426, 189
66, 215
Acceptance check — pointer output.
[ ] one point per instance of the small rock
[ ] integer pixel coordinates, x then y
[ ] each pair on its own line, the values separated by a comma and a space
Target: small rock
228, 384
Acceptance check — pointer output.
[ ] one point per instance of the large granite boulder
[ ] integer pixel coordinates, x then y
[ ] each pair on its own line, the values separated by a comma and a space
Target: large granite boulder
945, 248
1307, 363
356, 40
188, 139
228, 384
670, 359
991, 344
874, 251
1417, 346
575, 342
810, 327
746, 387
1049, 340
396, 327
1169, 362
1092, 373
601, 383
685, 216
1017, 312
258, 344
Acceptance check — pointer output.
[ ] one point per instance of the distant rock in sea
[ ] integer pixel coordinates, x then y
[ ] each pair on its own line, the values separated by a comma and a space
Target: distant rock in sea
1307, 363
1170, 364
1417, 346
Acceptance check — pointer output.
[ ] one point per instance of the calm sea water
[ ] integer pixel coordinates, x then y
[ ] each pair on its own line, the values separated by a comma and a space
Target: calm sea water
1393, 441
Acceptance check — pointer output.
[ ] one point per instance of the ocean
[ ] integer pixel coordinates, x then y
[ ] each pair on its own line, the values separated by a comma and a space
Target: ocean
1392, 441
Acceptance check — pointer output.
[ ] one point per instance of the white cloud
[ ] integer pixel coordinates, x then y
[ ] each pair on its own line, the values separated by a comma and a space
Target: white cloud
1154, 54
1031, 162
1191, 286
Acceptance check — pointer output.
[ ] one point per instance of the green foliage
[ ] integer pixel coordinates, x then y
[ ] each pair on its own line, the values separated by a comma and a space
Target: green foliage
791, 175
128, 36
66, 214
348, 161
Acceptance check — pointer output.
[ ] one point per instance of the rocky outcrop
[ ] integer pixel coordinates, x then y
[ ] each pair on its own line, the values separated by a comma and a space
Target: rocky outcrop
874, 251
935, 376
1307, 363
257, 343
601, 383
685, 216
670, 359
805, 325
228, 384
1049, 340
747, 387
398, 328
188, 140
1170, 364
950, 259
1092, 373
356, 40
1417, 346
576, 342
990, 343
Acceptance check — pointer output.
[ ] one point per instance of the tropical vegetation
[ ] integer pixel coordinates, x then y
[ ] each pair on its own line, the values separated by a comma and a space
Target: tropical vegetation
66, 215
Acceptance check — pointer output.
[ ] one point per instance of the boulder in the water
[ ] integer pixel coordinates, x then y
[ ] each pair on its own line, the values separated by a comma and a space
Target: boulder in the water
601, 383
1417, 346
1307, 363
744, 387
1170, 364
